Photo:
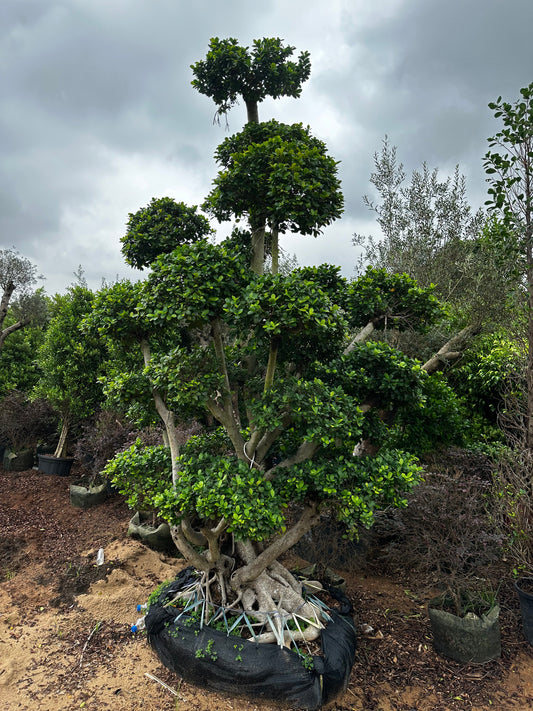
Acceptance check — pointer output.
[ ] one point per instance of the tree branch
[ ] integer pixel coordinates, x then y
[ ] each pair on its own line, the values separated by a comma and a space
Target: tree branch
11, 329
271, 365
188, 552
6, 298
305, 451
269, 438
195, 537
252, 570
166, 415
364, 333
451, 350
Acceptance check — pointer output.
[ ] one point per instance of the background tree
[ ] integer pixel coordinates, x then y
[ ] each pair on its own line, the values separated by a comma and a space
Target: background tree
71, 361
510, 170
431, 233
18, 363
17, 276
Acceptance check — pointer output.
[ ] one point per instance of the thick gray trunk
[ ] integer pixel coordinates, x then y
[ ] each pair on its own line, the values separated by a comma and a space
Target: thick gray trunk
451, 350
167, 417
258, 250
61, 449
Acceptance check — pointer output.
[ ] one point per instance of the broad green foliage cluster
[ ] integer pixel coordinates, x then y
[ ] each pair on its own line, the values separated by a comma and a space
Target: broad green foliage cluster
19, 370
276, 174
230, 71
159, 227
392, 301
490, 371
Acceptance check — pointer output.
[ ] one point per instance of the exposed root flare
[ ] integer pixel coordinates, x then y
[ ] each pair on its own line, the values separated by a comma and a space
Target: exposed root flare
276, 597
307, 635
263, 588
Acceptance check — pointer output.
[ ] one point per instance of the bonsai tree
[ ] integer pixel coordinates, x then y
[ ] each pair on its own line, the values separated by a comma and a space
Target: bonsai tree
71, 362
303, 409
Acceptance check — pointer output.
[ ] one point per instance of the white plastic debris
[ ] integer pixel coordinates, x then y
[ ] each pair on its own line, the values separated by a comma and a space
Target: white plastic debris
100, 557
139, 625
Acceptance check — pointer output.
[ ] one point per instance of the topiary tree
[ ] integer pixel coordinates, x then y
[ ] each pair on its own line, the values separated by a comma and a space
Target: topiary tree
303, 412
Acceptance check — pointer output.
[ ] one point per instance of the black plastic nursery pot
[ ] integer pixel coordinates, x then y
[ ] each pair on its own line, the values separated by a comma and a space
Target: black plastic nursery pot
217, 661
468, 639
524, 588
48, 464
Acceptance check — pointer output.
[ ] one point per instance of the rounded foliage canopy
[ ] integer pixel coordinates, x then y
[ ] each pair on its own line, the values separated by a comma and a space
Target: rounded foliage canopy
230, 70
159, 228
278, 174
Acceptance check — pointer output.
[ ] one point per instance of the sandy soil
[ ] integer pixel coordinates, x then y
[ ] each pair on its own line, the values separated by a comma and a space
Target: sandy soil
66, 643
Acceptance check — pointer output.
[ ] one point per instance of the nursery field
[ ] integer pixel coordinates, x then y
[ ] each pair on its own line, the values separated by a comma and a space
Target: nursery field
65, 639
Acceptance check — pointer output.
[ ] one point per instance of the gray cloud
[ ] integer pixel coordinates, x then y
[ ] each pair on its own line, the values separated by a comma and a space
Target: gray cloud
97, 114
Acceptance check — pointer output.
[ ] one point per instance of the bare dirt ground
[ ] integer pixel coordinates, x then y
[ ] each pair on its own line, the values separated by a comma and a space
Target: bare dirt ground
66, 643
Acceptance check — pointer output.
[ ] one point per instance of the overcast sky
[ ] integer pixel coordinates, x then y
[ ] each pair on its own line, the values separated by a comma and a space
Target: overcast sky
97, 114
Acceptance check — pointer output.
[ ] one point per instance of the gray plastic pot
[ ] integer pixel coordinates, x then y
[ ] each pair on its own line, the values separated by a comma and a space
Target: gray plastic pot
83, 497
18, 461
469, 639
158, 537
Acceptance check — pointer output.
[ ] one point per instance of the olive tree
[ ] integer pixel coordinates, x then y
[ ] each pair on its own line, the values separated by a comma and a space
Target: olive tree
17, 277
430, 232
304, 413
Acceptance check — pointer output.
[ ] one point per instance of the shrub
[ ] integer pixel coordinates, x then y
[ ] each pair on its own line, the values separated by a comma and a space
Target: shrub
446, 535
101, 438
24, 422
513, 486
